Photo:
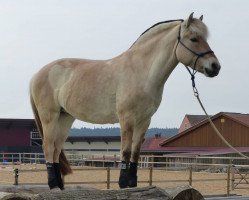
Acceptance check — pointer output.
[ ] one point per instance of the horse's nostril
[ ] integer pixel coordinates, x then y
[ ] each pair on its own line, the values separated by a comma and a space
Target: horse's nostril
215, 66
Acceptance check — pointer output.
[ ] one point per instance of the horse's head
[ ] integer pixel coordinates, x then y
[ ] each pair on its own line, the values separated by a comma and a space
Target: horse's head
193, 50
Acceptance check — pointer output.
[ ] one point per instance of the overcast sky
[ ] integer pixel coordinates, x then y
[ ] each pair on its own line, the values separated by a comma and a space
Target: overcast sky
34, 33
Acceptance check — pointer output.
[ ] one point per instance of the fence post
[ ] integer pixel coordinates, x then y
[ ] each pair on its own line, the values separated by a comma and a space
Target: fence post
150, 176
16, 174
115, 161
93, 161
103, 160
232, 178
153, 160
108, 178
228, 179
190, 175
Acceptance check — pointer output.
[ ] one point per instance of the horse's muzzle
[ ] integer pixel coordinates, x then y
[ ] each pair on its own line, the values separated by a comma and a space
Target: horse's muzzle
214, 71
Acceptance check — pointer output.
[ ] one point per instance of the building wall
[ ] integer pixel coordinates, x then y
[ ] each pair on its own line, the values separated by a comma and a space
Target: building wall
16, 136
184, 125
93, 147
204, 136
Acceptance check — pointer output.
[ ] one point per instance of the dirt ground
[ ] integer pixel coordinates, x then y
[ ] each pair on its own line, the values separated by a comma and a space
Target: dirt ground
201, 180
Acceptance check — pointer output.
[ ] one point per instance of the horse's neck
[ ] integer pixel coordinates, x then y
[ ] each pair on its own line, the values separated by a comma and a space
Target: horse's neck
159, 60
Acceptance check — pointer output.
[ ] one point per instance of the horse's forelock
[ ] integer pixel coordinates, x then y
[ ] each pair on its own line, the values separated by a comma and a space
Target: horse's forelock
199, 28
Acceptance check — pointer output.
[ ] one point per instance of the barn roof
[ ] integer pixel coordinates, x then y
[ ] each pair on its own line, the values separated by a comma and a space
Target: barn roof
93, 139
202, 151
9, 123
238, 117
241, 118
190, 120
195, 119
151, 144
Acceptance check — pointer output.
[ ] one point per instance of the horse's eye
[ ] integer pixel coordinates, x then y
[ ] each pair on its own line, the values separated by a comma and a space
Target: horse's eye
194, 39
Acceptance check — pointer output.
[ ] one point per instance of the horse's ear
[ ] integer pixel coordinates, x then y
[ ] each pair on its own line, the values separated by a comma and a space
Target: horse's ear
190, 19
201, 17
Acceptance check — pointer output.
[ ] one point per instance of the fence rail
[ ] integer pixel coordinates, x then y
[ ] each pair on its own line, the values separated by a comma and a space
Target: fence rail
236, 175
145, 160
149, 181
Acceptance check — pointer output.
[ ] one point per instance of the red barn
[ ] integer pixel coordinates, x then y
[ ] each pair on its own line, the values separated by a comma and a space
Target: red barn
18, 135
196, 135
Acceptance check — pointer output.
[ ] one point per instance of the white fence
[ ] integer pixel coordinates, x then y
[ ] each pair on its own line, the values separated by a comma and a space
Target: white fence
176, 162
18, 158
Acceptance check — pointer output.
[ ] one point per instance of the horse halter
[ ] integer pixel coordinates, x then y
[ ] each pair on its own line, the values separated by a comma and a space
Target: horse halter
199, 55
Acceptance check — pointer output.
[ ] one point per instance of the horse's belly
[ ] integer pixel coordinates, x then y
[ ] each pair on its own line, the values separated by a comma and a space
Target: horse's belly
96, 117
98, 111
88, 101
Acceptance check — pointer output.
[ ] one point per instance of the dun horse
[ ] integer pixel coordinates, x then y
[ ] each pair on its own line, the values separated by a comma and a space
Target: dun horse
126, 89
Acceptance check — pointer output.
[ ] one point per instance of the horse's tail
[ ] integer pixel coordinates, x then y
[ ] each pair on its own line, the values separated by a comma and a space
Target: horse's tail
36, 115
64, 164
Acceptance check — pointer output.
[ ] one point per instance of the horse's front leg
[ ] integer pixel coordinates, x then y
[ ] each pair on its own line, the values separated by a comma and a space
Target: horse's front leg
126, 142
137, 140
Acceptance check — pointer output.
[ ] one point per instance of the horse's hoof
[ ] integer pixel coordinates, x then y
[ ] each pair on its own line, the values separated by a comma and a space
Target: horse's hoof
123, 183
55, 189
123, 179
58, 175
60, 183
132, 181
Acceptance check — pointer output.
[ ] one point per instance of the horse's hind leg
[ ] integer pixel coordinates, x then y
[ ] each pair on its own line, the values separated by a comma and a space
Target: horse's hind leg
126, 142
55, 130
65, 122
50, 127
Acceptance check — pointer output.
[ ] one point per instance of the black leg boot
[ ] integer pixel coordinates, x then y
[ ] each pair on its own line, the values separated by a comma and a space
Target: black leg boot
124, 172
58, 175
133, 175
52, 180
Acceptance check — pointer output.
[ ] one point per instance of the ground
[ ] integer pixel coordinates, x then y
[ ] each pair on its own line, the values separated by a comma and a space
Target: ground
201, 180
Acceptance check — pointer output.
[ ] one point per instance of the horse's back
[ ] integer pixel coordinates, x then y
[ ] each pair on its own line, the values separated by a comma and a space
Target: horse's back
57, 73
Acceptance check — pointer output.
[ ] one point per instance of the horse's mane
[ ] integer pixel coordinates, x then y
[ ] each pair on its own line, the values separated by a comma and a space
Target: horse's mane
163, 22
155, 25
196, 26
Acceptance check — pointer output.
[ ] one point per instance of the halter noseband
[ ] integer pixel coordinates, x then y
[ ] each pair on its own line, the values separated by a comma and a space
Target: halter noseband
199, 55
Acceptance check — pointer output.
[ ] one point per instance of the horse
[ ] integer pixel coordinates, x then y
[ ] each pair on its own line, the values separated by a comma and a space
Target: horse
126, 89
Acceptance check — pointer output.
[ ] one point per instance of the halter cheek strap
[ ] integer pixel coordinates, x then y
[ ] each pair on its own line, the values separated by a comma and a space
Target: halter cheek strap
199, 55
